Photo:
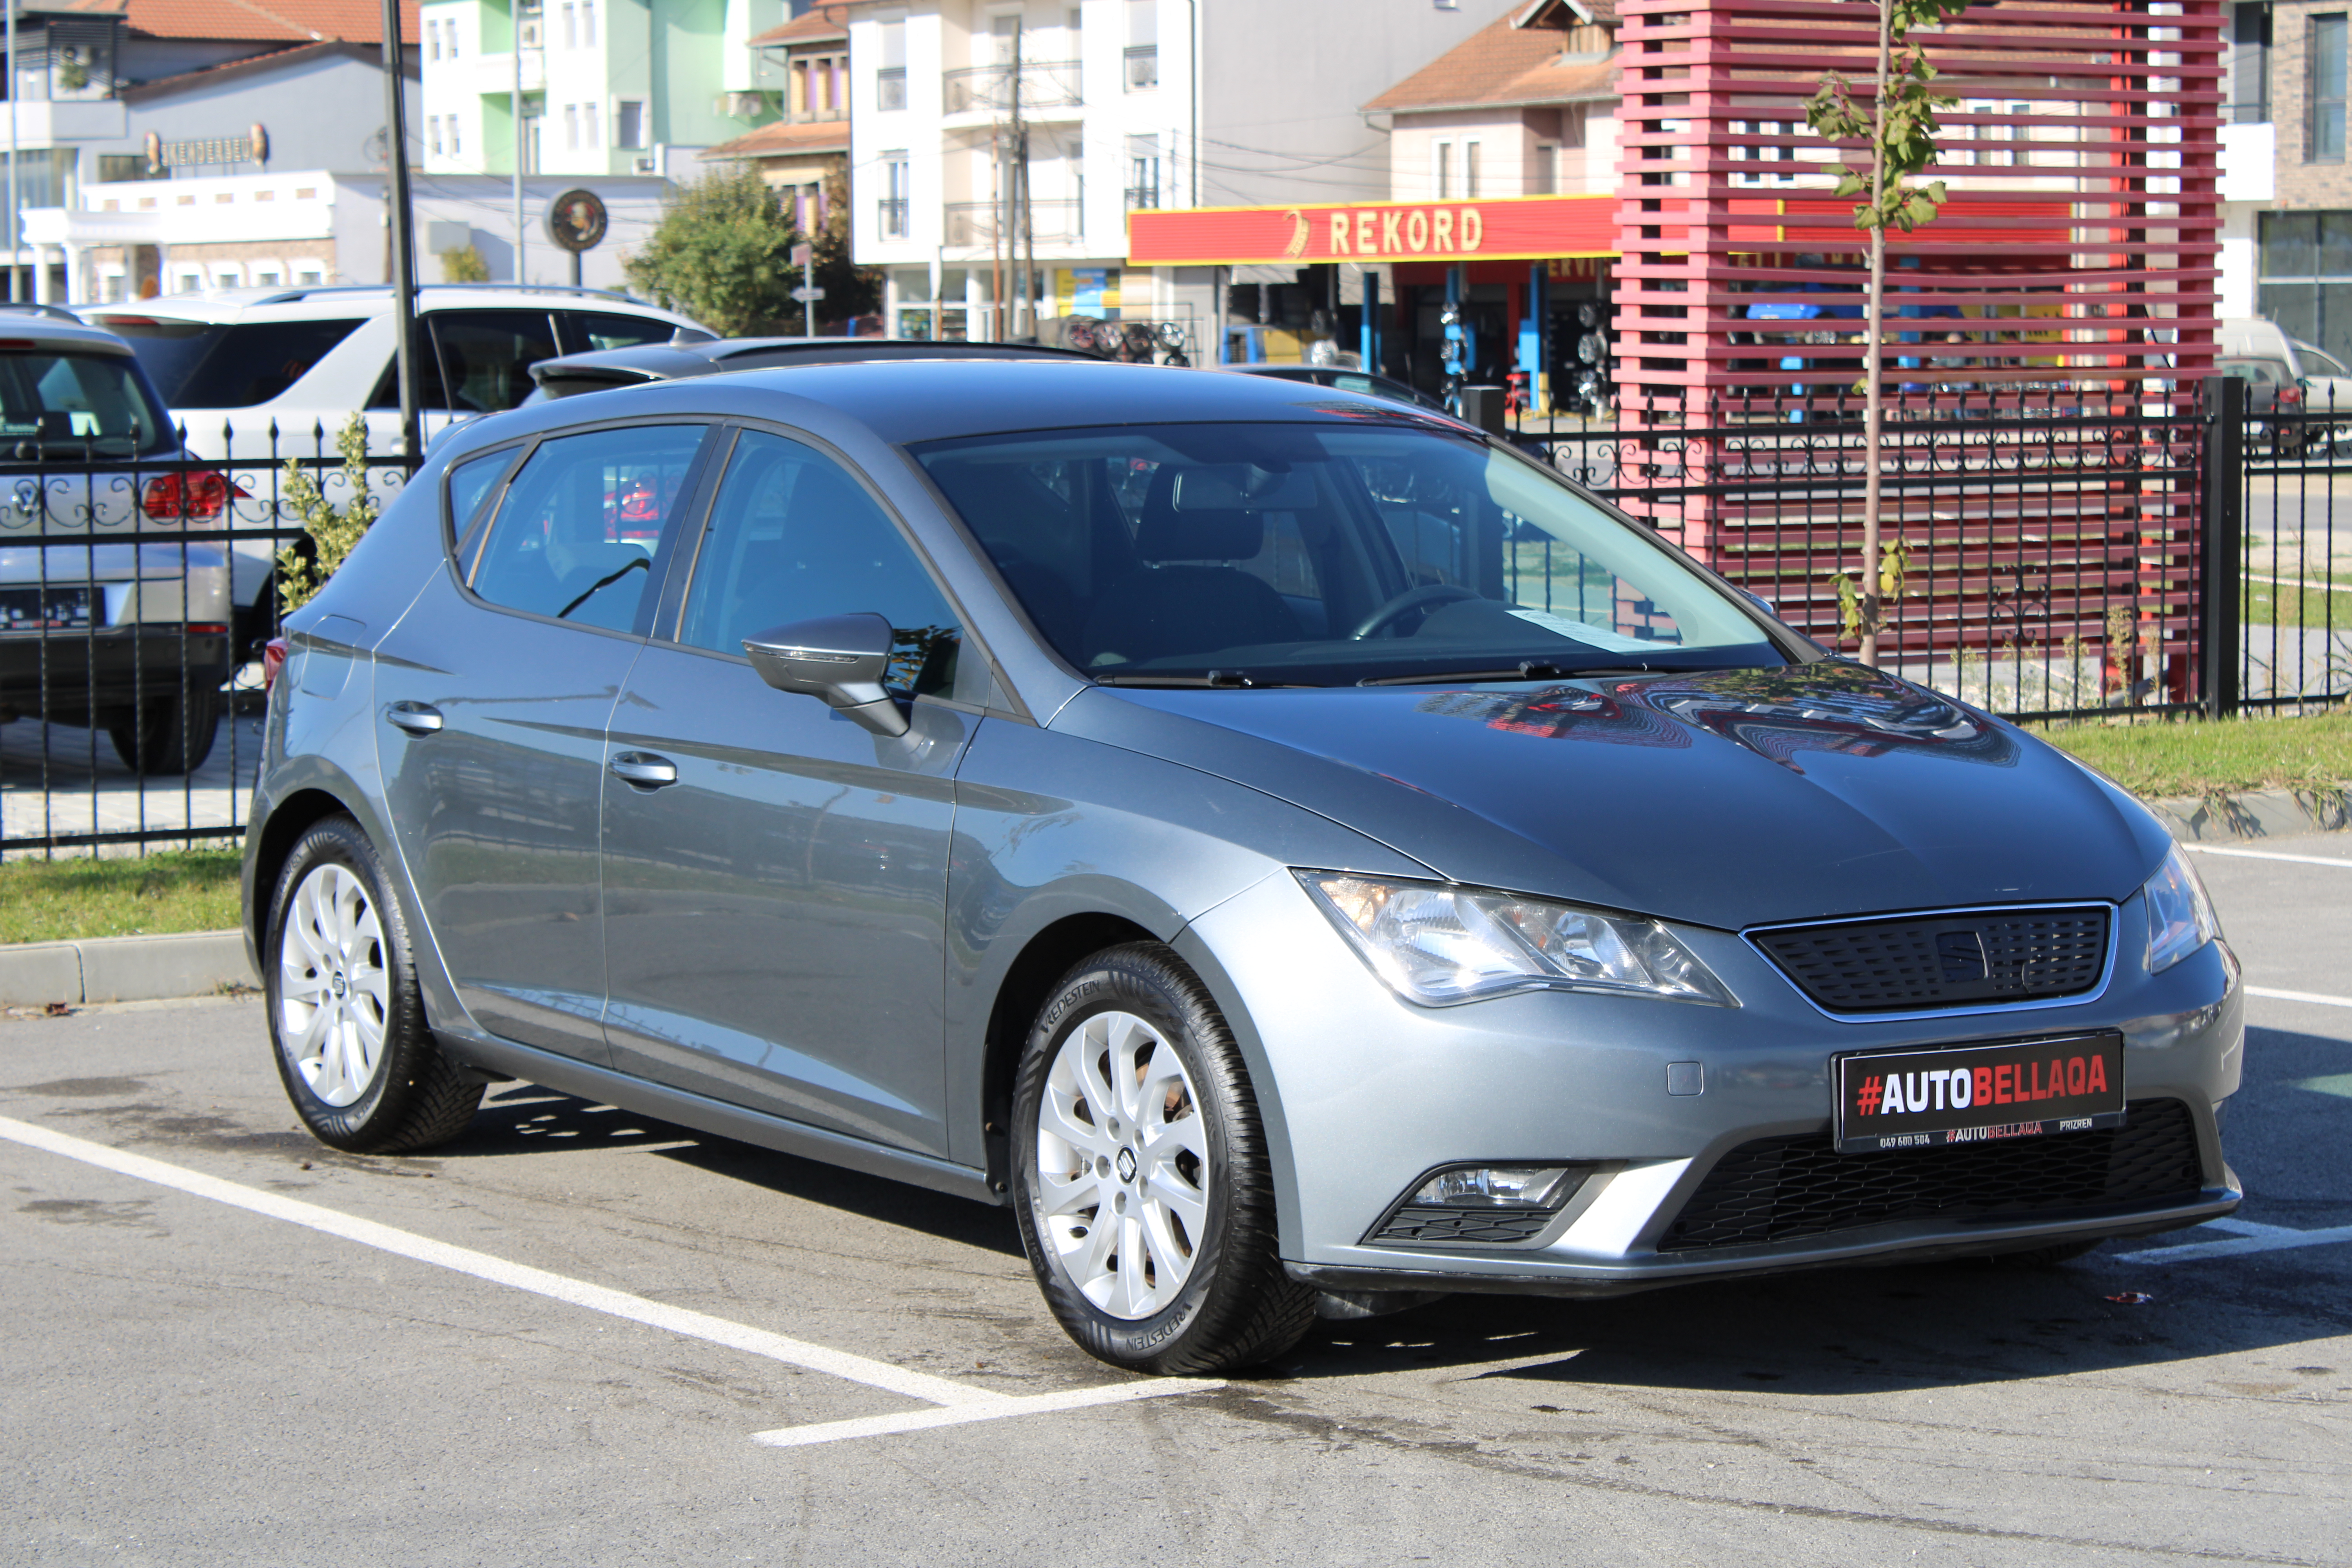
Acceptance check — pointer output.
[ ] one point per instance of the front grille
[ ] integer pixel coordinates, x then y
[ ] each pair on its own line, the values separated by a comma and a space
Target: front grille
1778, 1189
1943, 961
1437, 1227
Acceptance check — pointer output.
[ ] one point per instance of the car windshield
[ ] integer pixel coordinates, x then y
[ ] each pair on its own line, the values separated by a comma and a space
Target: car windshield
1290, 554
61, 403
235, 364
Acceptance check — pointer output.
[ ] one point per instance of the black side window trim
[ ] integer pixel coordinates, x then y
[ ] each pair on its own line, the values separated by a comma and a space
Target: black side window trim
454, 543
694, 488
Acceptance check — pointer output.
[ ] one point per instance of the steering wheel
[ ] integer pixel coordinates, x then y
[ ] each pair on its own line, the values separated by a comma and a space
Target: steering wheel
1404, 604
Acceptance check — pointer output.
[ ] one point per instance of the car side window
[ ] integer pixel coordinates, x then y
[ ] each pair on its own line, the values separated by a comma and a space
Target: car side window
598, 329
474, 361
470, 486
574, 538
792, 537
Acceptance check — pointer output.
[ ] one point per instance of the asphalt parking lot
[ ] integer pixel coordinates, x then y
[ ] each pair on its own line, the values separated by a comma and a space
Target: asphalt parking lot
581, 1337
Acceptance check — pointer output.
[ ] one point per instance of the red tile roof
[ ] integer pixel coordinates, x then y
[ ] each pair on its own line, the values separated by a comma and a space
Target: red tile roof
269, 21
822, 23
785, 137
1500, 65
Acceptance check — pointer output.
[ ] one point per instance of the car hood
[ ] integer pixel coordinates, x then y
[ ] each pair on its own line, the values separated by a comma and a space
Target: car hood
1727, 798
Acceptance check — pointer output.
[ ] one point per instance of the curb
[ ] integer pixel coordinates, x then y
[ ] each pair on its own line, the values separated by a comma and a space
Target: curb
122, 968
2267, 814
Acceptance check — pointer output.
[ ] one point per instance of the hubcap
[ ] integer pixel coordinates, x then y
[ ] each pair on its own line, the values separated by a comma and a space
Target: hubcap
1122, 1196
333, 995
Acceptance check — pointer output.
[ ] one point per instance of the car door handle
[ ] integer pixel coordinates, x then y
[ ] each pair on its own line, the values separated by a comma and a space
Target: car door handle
643, 769
416, 718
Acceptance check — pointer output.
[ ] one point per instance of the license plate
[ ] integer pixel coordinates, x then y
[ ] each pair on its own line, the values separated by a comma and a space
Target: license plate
1976, 1094
38, 608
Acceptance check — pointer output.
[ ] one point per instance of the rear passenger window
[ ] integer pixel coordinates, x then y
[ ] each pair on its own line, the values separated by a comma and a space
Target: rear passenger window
474, 361
469, 487
792, 538
574, 538
598, 329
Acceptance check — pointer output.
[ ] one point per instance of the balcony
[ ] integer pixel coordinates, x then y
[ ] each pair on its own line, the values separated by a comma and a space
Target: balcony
891, 88
1142, 67
890, 217
1044, 84
977, 223
49, 122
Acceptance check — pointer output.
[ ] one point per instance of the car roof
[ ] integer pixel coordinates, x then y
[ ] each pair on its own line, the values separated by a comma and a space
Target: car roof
568, 374
37, 329
308, 302
910, 401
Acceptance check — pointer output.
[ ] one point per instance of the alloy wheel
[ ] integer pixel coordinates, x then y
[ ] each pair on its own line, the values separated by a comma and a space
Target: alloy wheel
334, 993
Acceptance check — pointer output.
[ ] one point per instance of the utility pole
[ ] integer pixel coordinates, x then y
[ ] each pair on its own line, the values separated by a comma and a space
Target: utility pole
15, 213
514, 103
403, 228
999, 229
1024, 236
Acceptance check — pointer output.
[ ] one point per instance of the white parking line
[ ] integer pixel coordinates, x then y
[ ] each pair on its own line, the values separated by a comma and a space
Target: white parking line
963, 1401
2267, 855
2275, 995
1023, 1405
2250, 1238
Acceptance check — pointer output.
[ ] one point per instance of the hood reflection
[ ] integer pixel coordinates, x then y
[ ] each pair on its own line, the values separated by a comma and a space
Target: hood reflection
1832, 708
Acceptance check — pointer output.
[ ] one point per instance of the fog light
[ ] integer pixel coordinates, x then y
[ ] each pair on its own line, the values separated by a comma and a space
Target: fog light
1493, 1186
1479, 1205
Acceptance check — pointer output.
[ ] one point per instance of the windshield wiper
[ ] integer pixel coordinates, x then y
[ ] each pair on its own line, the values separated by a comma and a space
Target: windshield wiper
1220, 679
1527, 670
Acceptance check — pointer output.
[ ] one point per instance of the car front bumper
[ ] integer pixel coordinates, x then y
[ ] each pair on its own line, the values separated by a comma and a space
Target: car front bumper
1363, 1095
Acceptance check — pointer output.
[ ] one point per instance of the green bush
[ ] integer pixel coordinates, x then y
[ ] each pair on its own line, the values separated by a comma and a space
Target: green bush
332, 532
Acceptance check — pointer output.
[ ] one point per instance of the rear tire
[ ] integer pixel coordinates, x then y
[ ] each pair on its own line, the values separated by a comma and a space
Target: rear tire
170, 734
1140, 1178
346, 1021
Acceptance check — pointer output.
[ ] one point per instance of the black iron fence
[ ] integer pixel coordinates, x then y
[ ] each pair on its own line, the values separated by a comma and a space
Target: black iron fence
2051, 554
136, 594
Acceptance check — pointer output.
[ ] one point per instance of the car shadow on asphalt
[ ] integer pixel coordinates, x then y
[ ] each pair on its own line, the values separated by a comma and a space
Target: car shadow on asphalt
525, 1118
1834, 1331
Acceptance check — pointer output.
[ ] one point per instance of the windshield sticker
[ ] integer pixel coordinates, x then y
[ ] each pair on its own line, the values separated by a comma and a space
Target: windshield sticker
1585, 632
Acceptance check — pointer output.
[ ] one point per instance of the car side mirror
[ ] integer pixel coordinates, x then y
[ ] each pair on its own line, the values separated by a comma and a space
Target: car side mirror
840, 660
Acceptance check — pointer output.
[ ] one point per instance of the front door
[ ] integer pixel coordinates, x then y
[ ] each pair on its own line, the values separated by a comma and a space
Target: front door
491, 698
775, 876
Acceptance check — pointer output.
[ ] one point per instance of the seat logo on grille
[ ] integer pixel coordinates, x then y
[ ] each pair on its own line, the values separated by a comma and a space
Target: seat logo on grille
1963, 956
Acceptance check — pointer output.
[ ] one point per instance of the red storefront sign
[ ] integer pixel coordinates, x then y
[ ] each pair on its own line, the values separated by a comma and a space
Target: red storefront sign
1522, 228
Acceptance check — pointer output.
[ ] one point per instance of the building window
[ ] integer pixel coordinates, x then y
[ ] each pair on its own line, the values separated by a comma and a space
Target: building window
587, 24
2249, 64
432, 39
1143, 171
2328, 73
572, 128
890, 81
1470, 171
1442, 179
433, 134
1543, 179
2303, 277
629, 122
1142, 45
570, 28
896, 188
589, 139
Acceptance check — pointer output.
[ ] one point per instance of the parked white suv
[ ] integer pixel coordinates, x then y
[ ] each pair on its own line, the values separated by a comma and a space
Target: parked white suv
235, 364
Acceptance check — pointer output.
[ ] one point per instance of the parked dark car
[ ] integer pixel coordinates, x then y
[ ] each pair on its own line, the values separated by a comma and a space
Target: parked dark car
1298, 854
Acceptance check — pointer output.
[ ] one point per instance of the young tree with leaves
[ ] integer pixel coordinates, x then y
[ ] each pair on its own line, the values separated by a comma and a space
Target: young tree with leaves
1897, 123
723, 254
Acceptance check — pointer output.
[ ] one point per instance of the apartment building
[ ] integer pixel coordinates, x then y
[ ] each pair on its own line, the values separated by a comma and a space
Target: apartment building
587, 87
1121, 105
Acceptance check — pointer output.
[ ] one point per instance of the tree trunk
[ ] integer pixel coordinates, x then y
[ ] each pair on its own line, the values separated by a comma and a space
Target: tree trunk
1874, 333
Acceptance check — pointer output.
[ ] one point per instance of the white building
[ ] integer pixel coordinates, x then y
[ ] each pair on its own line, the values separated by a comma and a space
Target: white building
1127, 104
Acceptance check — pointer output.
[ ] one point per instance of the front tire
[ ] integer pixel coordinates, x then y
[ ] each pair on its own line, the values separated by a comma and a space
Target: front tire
345, 1017
1140, 1178
170, 734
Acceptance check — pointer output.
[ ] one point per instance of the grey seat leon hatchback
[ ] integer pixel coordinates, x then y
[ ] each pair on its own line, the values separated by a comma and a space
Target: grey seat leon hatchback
1297, 854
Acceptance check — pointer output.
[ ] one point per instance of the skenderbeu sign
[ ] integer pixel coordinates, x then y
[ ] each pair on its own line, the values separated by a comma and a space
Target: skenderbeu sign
1530, 229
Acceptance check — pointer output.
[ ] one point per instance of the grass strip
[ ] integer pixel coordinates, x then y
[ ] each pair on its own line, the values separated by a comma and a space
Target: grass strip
171, 890
2204, 758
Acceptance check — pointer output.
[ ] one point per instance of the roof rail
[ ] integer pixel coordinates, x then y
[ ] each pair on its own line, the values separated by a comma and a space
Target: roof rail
287, 296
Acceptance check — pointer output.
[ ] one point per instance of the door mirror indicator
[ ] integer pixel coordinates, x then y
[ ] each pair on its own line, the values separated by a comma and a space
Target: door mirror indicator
841, 660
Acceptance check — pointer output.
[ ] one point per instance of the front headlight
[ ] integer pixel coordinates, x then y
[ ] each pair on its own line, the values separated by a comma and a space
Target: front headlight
1437, 945
2179, 916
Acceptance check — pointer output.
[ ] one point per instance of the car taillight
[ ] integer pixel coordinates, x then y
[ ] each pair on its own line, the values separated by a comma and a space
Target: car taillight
273, 659
197, 497
2290, 395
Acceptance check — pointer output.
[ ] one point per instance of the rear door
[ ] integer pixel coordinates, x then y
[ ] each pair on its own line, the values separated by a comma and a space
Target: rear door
776, 877
491, 698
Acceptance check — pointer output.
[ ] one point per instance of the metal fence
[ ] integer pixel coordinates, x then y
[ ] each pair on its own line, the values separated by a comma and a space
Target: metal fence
2066, 557
135, 596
